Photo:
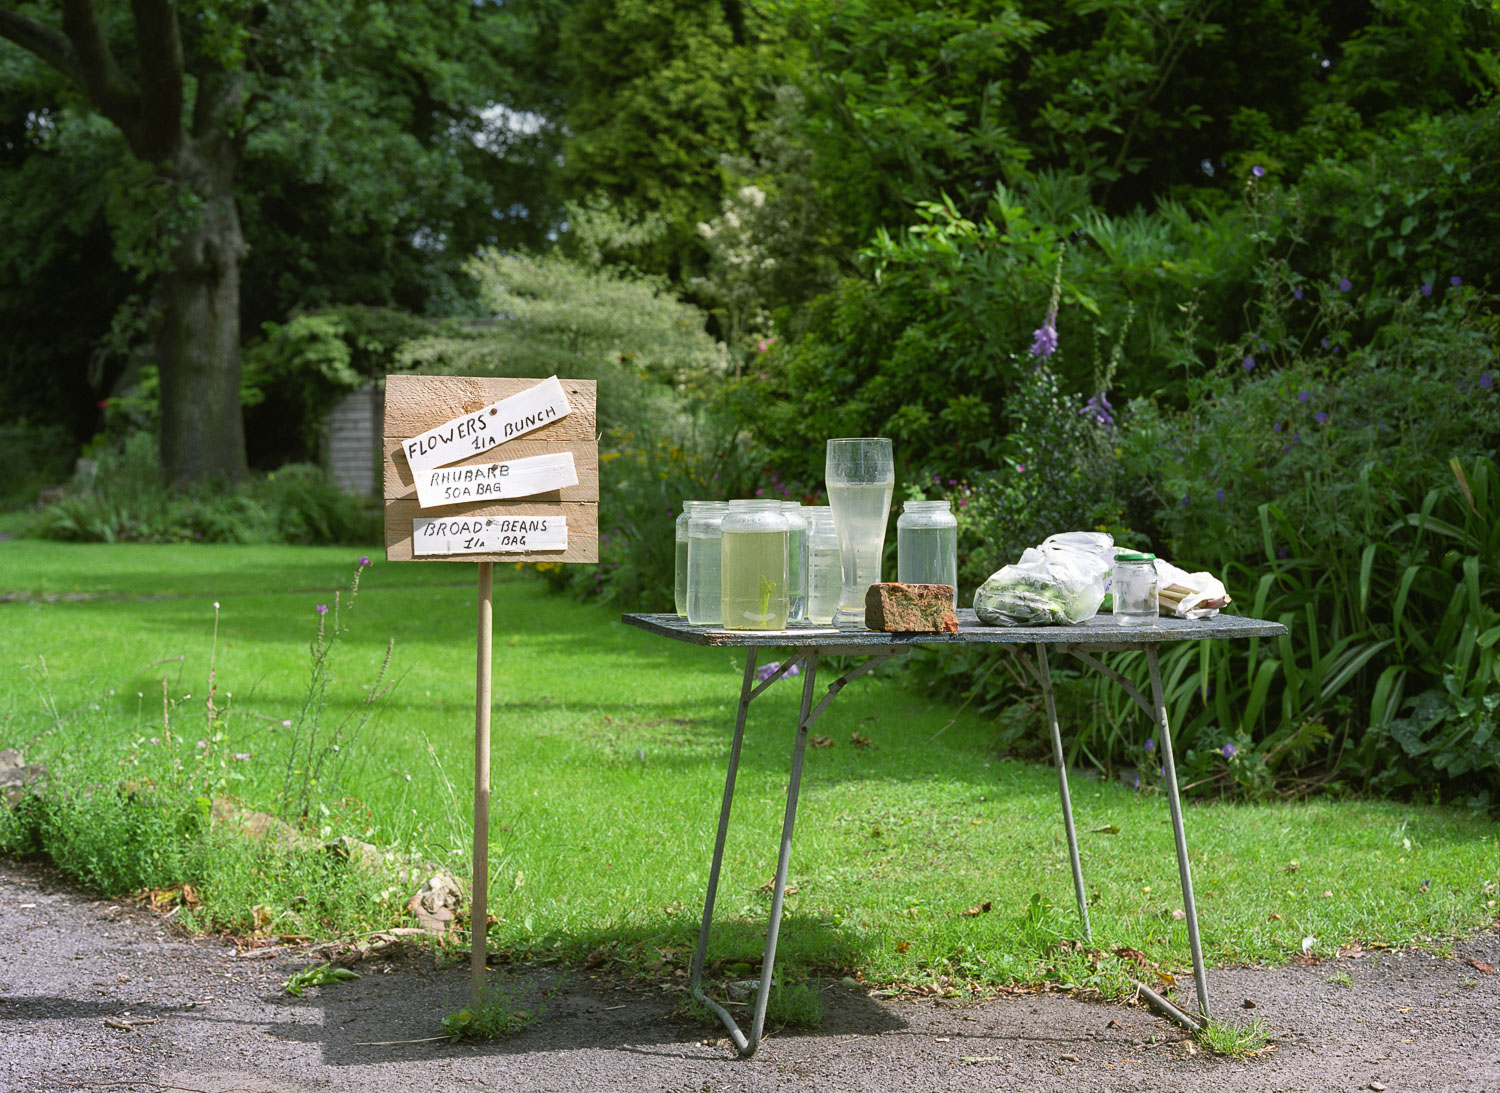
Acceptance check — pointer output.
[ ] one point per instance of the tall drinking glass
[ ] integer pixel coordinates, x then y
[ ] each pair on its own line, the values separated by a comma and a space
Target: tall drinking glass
860, 476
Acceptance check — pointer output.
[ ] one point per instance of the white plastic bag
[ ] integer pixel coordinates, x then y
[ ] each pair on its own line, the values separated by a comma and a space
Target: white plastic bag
1187, 595
1061, 581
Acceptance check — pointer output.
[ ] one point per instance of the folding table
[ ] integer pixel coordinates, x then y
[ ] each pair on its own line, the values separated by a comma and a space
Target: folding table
1082, 641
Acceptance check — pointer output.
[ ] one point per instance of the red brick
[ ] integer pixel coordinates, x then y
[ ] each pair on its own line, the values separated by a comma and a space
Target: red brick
911, 608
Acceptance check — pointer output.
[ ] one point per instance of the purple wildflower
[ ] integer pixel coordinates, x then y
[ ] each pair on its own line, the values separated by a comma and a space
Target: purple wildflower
1044, 338
1426, 290
1325, 343
1258, 171
1455, 280
770, 668
1249, 363
321, 609
1150, 743
1296, 294
364, 559
1345, 284
1184, 501
1281, 552
1219, 493
1321, 416
1021, 467
1486, 381
1098, 406
1304, 396
1276, 428
1229, 750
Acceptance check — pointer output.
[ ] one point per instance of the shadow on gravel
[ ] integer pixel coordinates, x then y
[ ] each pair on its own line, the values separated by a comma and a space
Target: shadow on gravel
397, 1017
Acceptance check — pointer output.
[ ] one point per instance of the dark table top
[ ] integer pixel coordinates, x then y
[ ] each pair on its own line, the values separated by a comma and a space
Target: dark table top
1101, 631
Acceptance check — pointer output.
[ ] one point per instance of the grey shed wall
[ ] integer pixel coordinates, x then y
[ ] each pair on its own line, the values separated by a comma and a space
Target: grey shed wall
353, 442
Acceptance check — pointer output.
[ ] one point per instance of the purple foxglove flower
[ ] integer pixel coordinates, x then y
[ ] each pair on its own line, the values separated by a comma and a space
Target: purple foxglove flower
1044, 338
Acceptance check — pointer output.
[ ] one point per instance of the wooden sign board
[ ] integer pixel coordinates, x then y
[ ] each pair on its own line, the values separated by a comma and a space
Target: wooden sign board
490, 469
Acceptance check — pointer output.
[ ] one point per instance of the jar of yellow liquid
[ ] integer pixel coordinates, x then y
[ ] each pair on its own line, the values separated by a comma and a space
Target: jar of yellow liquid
753, 567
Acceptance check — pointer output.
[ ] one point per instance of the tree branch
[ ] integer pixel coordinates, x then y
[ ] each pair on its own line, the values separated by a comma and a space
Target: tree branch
51, 46
159, 46
98, 72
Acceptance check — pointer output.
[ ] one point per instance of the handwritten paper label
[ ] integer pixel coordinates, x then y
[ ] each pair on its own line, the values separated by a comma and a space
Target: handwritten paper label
485, 428
487, 534
493, 481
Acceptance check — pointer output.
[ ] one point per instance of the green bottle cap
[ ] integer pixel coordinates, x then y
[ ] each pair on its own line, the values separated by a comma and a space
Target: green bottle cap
1130, 556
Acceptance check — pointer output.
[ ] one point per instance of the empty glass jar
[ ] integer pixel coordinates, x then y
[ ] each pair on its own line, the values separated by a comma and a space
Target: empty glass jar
927, 545
797, 528
754, 566
705, 531
679, 565
824, 573
1134, 589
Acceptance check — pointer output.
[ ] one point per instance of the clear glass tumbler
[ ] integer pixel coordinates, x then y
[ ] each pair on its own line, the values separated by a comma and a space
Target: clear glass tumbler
860, 476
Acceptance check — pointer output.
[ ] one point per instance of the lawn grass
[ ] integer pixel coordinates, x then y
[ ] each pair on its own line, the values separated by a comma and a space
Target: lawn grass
609, 751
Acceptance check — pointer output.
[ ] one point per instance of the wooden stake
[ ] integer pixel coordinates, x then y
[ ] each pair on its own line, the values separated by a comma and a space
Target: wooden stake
478, 909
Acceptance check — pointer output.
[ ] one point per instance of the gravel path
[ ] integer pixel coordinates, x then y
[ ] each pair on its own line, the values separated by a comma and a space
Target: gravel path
75, 969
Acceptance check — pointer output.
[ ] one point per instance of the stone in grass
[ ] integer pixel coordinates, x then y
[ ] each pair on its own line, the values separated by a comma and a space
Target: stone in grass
911, 608
17, 777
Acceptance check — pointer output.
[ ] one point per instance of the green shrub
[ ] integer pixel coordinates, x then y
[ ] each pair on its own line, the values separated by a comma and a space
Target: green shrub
126, 501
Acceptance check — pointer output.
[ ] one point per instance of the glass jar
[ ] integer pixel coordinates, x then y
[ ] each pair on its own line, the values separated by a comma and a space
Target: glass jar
797, 528
1134, 588
754, 566
825, 578
705, 530
927, 545
679, 565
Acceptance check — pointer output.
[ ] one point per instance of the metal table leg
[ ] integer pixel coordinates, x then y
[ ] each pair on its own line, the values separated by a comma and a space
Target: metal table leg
807, 716
1184, 872
1045, 677
1157, 711
696, 976
748, 1044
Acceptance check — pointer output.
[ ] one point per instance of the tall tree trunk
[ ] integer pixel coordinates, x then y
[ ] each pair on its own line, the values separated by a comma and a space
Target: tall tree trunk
198, 340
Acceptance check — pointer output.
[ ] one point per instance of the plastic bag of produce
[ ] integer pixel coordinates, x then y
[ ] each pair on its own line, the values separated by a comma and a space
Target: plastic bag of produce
1059, 582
